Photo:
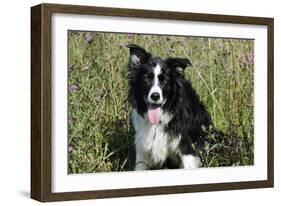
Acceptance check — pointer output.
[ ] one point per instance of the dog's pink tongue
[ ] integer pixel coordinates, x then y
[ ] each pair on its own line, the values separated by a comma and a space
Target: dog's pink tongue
154, 115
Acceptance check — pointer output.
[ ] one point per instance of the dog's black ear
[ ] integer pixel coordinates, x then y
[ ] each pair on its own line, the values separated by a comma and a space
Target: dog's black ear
178, 63
138, 55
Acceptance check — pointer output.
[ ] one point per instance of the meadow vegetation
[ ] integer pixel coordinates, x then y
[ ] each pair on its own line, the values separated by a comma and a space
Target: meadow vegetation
99, 133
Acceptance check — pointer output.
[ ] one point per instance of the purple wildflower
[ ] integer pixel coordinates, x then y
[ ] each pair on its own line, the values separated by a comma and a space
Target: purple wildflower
99, 90
89, 37
122, 45
97, 98
73, 88
171, 50
130, 35
221, 45
247, 59
70, 149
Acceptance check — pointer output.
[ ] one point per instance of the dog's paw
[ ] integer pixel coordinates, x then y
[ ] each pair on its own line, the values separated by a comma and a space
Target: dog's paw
191, 162
140, 166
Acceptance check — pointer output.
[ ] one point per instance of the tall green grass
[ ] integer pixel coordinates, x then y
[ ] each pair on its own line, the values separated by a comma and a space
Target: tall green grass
100, 136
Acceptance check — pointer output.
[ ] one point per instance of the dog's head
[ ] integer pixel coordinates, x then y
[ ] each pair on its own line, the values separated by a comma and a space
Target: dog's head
154, 78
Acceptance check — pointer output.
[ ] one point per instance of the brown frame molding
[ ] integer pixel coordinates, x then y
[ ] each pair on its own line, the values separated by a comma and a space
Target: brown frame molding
41, 101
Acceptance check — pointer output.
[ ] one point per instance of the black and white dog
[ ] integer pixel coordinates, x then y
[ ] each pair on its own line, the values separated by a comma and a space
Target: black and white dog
167, 113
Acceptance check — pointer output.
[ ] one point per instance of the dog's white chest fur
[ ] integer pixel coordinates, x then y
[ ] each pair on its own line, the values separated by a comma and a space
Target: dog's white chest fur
151, 140
153, 145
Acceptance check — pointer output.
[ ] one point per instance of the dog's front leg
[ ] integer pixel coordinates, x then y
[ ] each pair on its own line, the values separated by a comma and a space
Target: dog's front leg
141, 160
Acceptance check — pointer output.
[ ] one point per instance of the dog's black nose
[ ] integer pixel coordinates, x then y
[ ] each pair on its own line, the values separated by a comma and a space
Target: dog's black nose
155, 96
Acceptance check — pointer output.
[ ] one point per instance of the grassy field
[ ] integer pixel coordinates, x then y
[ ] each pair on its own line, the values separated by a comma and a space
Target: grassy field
99, 133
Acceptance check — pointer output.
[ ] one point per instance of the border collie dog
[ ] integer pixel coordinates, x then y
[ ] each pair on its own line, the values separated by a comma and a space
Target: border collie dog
167, 113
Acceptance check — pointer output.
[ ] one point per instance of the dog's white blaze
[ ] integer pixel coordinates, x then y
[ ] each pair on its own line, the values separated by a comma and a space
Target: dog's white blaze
157, 70
155, 88
190, 161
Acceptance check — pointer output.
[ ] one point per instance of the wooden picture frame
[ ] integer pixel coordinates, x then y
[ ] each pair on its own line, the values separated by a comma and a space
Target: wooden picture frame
41, 116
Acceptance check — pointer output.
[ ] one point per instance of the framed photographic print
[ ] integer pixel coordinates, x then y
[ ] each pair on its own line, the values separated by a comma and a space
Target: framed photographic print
128, 102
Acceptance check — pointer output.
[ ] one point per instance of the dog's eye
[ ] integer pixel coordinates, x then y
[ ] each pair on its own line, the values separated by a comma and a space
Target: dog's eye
161, 78
150, 76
